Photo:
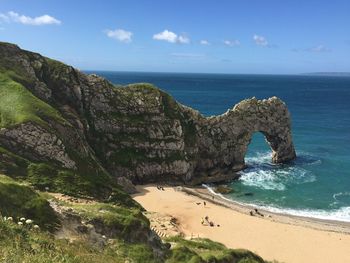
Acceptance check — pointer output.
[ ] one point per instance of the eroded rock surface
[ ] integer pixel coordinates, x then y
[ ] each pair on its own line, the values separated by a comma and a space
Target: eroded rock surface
138, 131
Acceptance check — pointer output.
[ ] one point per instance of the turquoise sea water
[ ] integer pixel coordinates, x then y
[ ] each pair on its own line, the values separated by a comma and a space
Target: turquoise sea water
317, 183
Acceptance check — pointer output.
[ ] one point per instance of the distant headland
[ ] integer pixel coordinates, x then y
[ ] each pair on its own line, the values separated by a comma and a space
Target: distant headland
330, 74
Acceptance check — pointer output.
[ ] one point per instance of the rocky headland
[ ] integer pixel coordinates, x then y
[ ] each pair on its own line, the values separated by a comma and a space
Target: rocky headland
137, 131
73, 145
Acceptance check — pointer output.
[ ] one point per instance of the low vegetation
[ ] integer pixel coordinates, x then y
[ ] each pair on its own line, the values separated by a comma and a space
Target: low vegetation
19, 243
123, 222
201, 250
17, 201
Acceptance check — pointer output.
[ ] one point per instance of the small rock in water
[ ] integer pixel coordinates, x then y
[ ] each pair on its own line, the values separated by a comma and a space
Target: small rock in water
248, 194
223, 189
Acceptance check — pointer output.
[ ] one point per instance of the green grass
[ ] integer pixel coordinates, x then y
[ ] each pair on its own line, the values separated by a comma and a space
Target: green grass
130, 156
12, 164
95, 184
207, 251
136, 252
18, 200
23, 245
18, 105
125, 222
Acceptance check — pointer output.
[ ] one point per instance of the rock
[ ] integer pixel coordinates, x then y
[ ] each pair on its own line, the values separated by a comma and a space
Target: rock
223, 189
138, 133
127, 185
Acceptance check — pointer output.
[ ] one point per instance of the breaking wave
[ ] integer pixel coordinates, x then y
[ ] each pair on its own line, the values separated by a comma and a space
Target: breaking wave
261, 173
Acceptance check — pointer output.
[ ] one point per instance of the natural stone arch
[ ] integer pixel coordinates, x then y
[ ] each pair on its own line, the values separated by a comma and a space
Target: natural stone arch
226, 139
275, 143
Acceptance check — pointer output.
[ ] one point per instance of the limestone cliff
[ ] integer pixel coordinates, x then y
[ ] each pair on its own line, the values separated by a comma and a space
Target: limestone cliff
53, 114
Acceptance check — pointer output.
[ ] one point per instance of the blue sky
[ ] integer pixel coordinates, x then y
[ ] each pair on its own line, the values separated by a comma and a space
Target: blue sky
237, 36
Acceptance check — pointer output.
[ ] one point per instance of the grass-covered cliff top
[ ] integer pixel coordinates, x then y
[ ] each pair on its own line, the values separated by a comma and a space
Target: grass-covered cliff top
18, 105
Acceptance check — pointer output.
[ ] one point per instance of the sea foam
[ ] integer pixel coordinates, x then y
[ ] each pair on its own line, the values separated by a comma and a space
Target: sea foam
261, 173
342, 214
265, 175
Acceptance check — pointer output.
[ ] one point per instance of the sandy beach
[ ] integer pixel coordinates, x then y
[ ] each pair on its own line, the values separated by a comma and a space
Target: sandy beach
274, 237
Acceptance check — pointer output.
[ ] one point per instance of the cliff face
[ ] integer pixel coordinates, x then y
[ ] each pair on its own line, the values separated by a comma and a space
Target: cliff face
53, 114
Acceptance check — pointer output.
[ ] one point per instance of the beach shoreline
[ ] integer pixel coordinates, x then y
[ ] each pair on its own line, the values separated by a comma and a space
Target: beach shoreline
281, 237
310, 222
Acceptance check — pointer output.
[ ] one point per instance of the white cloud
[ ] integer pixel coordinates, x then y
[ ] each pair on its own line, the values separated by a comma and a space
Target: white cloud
320, 48
166, 36
171, 37
183, 40
120, 35
260, 40
204, 42
232, 43
27, 20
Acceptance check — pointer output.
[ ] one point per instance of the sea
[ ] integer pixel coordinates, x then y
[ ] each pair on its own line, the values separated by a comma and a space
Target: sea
317, 183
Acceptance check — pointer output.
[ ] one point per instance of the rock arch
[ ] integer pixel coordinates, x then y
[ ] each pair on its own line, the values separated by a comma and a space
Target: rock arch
225, 140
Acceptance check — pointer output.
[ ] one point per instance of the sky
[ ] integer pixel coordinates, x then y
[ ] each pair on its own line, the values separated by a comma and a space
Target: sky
199, 36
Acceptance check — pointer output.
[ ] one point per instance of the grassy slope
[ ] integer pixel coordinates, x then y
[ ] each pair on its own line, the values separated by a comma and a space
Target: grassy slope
205, 250
125, 221
18, 201
18, 105
23, 245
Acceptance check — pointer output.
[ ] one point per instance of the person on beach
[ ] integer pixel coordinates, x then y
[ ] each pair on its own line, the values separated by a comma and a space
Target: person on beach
258, 213
204, 203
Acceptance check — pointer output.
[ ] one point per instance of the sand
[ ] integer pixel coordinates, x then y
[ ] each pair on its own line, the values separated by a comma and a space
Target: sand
274, 237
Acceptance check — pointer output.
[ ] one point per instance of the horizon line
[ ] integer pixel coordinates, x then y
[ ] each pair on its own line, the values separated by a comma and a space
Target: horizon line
318, 73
